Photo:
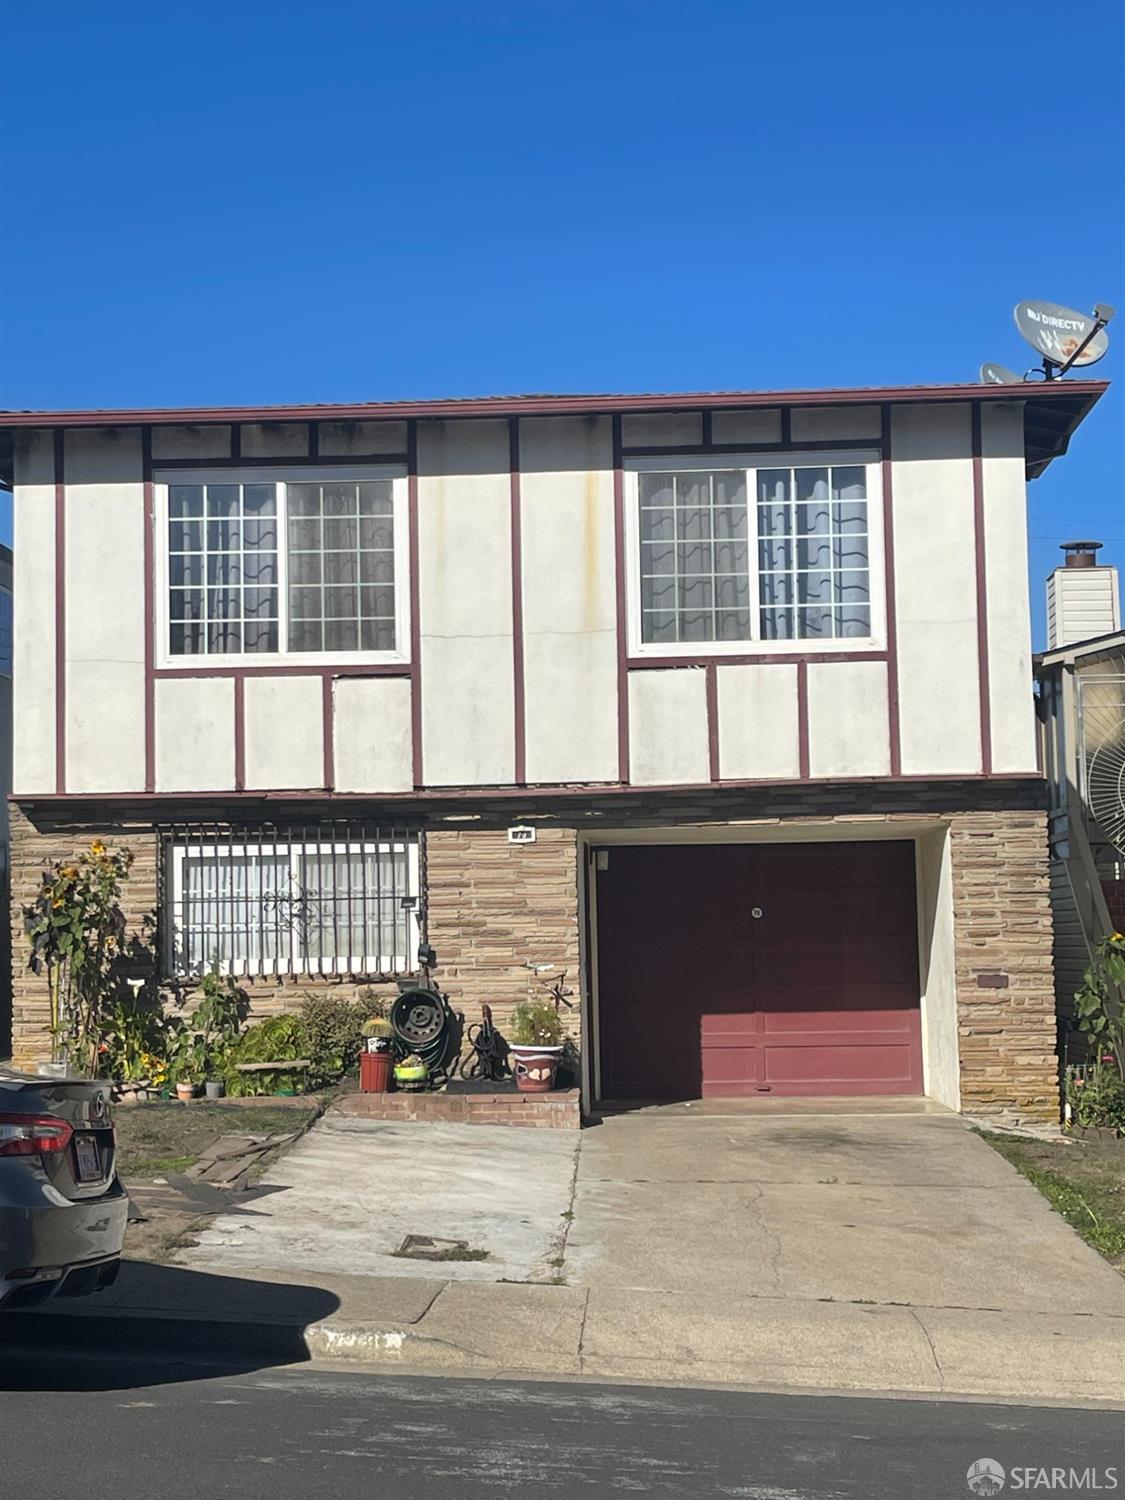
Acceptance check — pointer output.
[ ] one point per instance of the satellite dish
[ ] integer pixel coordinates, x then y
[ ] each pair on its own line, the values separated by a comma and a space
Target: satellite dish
1058, 332
994, 374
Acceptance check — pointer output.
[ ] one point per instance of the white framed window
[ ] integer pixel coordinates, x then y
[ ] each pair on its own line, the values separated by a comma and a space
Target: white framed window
307, 907
776, 553
288, 566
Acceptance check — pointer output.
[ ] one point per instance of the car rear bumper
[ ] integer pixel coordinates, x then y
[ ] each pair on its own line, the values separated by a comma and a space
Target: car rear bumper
60, 1248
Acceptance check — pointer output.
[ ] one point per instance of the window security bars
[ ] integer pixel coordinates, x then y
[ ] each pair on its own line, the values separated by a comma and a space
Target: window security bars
339, 898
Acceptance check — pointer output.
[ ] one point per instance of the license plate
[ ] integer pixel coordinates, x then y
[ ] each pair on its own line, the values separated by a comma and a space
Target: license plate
89, 1158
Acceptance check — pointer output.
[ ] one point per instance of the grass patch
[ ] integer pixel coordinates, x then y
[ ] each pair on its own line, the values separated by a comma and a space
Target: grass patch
168, 1137
1083, 1181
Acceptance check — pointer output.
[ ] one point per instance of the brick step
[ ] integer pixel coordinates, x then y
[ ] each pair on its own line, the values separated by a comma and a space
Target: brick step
559, 1110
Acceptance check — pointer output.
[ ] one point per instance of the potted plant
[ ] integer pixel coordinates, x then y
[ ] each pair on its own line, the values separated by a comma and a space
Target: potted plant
411, 1073
536, 1045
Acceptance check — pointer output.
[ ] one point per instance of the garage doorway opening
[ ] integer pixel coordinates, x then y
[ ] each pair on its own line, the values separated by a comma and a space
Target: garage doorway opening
742, 969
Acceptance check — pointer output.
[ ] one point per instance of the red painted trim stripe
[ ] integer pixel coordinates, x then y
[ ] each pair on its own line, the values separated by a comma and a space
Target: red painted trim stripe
294, 461
894, 727
327, 718
984, 677
803, 720
518, 686
713, 720
60, 611
521, 795
313, 669
239, 734
415, 597
783, 445
150, 610
578, 405
622, 606
751, 659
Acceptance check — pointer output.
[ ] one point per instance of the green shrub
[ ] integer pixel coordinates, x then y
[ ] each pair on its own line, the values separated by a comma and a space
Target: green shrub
1097, 1097
334, 1031
279, 1039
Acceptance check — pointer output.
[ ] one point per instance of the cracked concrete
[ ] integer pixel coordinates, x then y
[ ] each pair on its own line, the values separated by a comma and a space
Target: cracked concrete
849, 1252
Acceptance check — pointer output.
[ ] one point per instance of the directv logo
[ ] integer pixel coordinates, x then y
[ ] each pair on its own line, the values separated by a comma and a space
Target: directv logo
1078, 324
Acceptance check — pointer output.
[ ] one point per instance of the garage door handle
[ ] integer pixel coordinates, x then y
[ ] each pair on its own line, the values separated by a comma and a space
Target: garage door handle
757, 913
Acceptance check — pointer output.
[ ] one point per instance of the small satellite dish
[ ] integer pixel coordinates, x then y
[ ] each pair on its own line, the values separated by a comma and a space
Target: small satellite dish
1058, 332
994, 374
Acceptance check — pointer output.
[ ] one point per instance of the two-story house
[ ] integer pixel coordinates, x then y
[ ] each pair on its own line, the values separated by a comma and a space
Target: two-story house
753, 668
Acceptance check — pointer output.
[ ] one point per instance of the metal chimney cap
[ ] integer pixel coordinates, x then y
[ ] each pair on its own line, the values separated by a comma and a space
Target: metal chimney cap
1080, 554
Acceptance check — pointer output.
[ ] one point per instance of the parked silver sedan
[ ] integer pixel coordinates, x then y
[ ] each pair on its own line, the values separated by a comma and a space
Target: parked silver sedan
63, 1209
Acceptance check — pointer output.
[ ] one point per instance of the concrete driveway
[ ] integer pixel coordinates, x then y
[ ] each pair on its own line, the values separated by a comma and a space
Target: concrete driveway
876, 1209
865, 1251
880, 1209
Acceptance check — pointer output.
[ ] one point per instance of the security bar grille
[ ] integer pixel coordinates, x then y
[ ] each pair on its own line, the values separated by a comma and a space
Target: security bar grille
339, 898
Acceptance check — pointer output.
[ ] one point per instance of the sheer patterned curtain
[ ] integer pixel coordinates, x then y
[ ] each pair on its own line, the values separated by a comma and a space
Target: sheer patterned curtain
236, 912
352, 908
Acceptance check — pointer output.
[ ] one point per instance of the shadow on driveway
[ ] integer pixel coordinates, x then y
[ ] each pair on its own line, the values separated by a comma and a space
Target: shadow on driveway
174, 1324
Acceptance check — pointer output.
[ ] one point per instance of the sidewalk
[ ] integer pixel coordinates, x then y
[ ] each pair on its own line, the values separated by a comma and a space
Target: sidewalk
461, 1327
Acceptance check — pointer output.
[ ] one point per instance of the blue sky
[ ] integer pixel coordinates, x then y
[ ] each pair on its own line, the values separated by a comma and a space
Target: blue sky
362, 200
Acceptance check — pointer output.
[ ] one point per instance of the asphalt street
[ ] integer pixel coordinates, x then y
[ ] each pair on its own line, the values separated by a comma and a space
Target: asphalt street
78, 1425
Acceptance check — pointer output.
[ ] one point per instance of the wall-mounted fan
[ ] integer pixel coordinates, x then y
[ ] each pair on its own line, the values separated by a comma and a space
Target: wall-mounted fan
1105, 786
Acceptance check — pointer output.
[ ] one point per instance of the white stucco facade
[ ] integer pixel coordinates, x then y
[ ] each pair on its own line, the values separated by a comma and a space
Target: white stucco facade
518, 663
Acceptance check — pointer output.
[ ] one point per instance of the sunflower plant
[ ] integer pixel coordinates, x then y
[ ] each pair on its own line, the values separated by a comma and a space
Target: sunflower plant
76, 929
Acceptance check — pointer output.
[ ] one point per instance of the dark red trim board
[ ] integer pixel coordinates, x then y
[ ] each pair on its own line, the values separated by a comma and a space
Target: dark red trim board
893, 725
622, 605
60, 611
547, 405
713, 720
327, 687
749, 659
239, 734
313, 669
522, 796
984, 678
518, 688
415, 606
150, 611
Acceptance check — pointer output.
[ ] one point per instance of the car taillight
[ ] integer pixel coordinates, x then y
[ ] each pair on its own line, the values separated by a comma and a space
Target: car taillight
33, 1135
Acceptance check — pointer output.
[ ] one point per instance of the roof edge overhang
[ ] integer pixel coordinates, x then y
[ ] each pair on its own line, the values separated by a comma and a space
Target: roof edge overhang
1053, 408
1110, 644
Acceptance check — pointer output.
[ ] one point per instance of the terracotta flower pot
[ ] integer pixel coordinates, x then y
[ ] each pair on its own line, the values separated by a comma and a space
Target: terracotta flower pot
535, 1067
185, 1092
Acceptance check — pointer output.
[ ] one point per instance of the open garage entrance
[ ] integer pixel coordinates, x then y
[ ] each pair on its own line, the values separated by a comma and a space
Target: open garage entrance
736, 969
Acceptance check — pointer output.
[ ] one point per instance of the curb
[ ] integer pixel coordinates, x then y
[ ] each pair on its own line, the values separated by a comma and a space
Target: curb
115, 1333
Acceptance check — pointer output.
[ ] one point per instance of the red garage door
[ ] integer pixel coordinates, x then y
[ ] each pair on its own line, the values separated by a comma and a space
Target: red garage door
730, 969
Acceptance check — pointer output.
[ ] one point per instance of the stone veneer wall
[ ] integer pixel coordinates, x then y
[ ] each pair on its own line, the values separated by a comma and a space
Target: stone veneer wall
493, 907
33, 849
1004, 965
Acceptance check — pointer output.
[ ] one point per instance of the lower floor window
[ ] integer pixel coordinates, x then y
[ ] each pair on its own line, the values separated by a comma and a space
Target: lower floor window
320, 901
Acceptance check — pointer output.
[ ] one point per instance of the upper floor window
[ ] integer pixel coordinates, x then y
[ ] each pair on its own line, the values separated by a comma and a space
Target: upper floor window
299, 564
781, 551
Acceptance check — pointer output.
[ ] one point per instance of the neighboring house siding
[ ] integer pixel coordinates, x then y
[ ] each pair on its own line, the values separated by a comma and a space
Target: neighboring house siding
520, 673
1071, 950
